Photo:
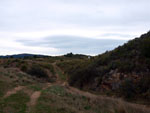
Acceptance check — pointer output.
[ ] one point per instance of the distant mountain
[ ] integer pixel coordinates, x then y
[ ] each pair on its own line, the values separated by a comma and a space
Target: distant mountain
24, 55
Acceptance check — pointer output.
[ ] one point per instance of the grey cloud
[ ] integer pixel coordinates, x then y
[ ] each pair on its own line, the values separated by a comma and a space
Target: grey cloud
75, 44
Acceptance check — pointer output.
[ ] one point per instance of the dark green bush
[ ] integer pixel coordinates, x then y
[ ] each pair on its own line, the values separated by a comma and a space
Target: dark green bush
145, 47
38, 71
49, 67
24, 68
143, 85
127, 89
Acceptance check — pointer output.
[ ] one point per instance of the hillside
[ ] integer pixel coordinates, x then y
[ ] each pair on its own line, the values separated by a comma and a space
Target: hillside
114, 82
38, 85
123, 72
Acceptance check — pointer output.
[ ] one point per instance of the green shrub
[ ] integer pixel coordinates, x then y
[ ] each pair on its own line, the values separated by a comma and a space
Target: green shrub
127, 89
38, 71
49, 67
143, 85
145, 47
24, 68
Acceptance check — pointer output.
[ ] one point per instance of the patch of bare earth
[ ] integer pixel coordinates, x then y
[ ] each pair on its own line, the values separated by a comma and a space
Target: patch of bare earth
13, 91
58, 79
34, 97
79, 92
33, 100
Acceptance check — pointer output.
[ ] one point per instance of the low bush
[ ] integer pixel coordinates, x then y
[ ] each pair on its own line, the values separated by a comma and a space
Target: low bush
38, 71
127, 89
49, 67
24, 68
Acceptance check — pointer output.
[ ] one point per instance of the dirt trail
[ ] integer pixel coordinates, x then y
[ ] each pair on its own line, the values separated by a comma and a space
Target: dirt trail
80, 92
33, 100
13, 91
58, 79
35, 96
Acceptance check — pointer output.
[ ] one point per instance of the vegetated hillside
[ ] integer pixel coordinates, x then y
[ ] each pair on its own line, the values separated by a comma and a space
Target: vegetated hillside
124, 72
37, 85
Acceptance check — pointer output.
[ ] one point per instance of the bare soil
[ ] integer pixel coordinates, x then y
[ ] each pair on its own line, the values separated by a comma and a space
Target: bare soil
13, 91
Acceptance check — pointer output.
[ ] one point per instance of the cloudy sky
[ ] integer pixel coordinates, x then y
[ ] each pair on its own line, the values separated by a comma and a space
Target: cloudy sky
55, 27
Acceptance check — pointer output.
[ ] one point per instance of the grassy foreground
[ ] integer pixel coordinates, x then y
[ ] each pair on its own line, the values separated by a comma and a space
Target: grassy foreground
28, 95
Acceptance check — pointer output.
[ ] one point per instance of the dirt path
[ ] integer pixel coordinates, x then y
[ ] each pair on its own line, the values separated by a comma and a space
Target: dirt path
80, 92
56, 69
33, 100
13, 91
35, 96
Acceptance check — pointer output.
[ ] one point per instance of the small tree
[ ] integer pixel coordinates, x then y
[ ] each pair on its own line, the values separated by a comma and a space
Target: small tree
69, 55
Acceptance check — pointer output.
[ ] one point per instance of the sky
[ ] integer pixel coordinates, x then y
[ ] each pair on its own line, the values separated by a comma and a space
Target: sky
57, 27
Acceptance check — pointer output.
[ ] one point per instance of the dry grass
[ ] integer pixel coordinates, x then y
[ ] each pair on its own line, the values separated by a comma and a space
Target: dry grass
57, 98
